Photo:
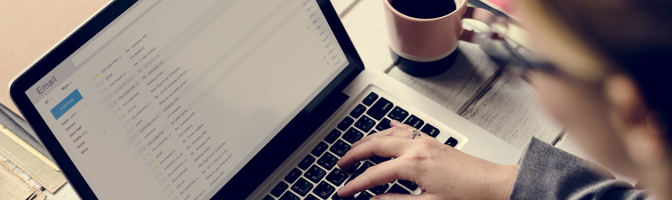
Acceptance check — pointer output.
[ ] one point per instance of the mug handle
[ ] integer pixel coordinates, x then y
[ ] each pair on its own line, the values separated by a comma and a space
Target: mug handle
489, 19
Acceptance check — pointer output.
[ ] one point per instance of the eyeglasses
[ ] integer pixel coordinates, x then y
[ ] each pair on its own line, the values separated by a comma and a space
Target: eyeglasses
516, 61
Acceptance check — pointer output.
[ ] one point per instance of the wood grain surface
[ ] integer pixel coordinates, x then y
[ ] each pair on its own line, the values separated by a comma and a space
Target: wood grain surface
366, 27
342, 7
511, 111
457, 86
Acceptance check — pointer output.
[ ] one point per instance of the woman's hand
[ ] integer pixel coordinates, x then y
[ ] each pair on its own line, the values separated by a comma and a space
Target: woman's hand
441, 171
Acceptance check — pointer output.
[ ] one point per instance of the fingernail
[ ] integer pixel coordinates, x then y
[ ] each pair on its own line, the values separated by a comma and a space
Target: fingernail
395, 123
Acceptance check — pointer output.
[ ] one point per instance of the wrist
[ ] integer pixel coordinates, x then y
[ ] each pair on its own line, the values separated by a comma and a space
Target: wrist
508, 179
499, 182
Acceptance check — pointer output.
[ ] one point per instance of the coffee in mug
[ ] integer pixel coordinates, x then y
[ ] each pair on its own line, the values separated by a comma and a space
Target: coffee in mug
424, 9
423, 34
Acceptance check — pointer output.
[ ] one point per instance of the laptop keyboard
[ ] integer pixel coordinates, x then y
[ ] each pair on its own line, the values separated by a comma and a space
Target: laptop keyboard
317, 176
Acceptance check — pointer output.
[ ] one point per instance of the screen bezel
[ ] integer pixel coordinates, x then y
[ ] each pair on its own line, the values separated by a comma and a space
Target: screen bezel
256, 170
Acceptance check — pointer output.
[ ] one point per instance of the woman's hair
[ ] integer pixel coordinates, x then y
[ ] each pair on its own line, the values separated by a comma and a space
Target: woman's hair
635, 35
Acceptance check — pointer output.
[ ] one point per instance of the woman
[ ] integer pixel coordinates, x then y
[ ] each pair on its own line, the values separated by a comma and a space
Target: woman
610, 91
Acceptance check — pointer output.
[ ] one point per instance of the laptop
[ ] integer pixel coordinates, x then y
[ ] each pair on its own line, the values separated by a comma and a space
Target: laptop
222, 99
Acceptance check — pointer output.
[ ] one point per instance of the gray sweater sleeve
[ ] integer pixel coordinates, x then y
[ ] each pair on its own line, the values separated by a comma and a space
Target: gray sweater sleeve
550, 173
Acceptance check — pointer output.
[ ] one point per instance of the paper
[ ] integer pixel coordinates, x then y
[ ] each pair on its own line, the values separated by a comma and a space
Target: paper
28, 148
50, 178
13, 187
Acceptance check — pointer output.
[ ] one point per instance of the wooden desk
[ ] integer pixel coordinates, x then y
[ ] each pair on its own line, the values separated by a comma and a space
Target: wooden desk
474, 87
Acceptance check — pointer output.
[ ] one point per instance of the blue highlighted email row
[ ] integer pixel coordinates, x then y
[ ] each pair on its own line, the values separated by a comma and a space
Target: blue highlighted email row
67, 103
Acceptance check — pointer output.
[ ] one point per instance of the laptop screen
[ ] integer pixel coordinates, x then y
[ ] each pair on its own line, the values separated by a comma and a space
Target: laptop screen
173, 97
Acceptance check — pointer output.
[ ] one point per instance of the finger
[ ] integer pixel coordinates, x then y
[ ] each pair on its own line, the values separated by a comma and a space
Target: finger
396, 132
397, 196
399, 130
398, 124
383, 146
380, 174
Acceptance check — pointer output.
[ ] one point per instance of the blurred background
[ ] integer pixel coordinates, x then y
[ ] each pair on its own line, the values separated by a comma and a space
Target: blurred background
28, 28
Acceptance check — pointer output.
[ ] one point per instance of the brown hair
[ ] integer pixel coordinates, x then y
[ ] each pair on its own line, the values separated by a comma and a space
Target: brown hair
635, 35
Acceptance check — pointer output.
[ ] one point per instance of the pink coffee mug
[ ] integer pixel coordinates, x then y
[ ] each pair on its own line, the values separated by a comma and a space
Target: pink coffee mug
426, 47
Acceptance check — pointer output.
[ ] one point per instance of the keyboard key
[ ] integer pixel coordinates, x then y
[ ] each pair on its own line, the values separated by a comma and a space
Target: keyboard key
302, 187
384, 124
378, 159
314, 174
319, 149
410, 185
268, 197
352, 135
353, 168
451, 141
379, 189
337, 177
323, 190
332, 136
414, 121
340, 148
336, 197
364, 167
398, 189
380, 108
430, 130
279, 189
358, 111
372, 132
365, 123
311, 197
398, 114
327, 161
345, 123
306, 162
369, 99
364, 196
289, 196
293, 175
